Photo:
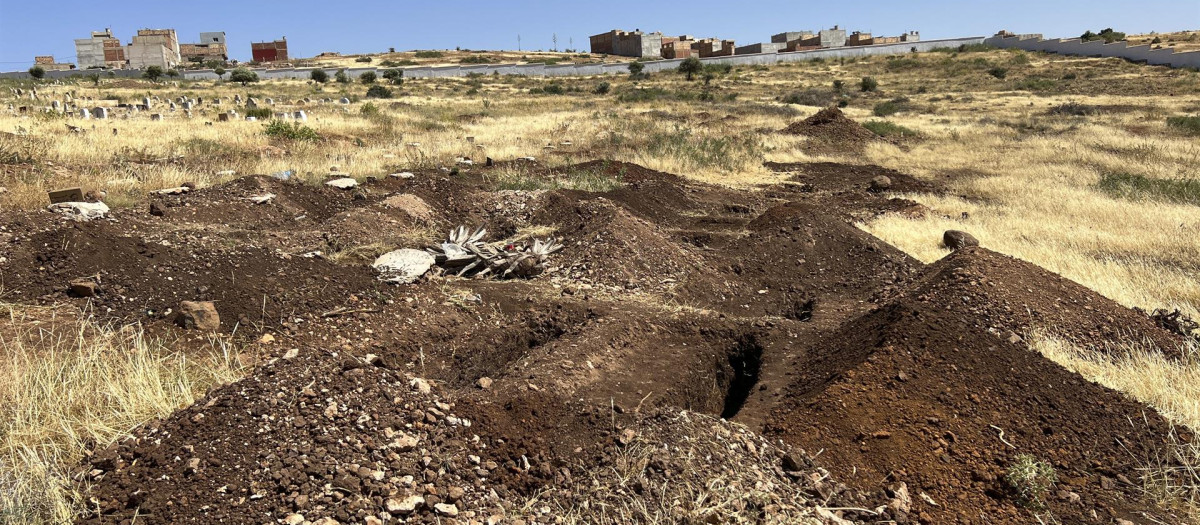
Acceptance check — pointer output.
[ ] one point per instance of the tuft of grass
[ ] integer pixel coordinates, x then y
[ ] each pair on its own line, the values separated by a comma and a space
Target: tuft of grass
72, 384
429, 54
1075, 109
884, 128
891, 107
582, 180
1188, 125
1130, 186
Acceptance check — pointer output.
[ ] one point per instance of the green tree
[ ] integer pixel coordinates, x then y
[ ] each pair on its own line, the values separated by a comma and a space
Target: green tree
319, 76
219, 72
95, 78
341, 77
152, 73
635, 69
243, 75
691, 66
378, 91
367, 78
173, 73
395, 76
37, 72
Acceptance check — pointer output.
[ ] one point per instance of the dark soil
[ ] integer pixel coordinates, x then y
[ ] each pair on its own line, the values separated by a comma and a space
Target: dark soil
767, 307
830, 130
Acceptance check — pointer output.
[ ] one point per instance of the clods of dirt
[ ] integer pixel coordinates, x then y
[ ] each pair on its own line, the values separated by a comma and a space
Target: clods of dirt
830, 130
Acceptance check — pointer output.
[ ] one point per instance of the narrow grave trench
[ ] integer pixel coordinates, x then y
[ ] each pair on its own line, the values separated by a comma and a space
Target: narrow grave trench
745, 364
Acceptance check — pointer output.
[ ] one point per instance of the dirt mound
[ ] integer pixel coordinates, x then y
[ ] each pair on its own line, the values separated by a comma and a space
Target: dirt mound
830, 129
921, 391
139, 280
608, 246
319, 435
1007, 296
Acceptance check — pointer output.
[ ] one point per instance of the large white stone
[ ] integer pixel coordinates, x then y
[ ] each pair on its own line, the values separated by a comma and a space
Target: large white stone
403, 266
84, 211
344, 183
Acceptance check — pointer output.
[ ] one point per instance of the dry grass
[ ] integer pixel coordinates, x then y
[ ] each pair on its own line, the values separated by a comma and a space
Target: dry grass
68, 384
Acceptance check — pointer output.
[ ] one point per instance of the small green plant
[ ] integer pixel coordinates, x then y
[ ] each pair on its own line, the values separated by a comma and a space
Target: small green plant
173, 73
1136, 187
839, 86
290, 131
1031, 479
378, 91
369, 110
341, 77
1074, 109
890, 107
809, 97
365, 60
998, 72
1189, 125
430, 54
602, 88
475, 59
367, 78
319, 76
868, 84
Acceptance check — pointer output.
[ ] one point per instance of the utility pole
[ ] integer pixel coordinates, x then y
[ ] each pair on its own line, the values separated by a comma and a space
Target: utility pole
554, 38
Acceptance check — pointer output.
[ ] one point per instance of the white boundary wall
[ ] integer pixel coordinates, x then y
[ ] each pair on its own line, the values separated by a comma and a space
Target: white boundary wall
1097, 48
542, 70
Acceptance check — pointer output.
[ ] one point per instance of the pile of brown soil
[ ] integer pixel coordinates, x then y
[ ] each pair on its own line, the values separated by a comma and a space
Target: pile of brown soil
927, 391
829, 129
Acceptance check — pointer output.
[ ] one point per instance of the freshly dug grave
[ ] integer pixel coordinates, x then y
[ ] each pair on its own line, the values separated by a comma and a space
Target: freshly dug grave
921, 390
830, 130
1008, 297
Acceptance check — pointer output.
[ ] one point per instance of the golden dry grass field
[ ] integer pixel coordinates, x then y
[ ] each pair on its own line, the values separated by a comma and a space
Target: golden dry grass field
1086, 167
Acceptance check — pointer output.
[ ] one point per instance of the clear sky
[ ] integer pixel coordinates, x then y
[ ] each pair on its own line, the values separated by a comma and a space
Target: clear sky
37, 27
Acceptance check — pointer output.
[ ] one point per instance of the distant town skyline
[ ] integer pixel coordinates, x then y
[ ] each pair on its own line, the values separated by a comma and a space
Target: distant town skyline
29, 29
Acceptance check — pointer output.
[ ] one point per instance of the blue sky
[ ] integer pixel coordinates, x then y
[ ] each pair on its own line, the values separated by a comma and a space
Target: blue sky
29, 28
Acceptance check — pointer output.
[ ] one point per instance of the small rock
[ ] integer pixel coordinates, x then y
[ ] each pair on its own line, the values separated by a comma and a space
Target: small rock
455, 494
446, 509
157, 210
404, 506
291, 354
880, 183
402, 175
955, 239
293, 519
420, 385
199, 315
372, 520
627, 436
83, 288
266, 339
484, 383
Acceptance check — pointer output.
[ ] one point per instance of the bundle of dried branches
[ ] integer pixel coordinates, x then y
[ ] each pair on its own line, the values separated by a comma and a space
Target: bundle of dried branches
464, 253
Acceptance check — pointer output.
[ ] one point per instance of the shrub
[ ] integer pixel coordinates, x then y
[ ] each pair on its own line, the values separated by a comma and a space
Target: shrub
809, 97
365, 60
152, 73
219, 71
290, 131
868, 84
243, 75
429, 54
395, 76
1137, 187
1107, 34
37, 72
1187, 125
884, 128
1031, 479
718, 69
998, 72
259, 113
378, 91
839, 86
602, 88
475, 59
1074, 109
1156, 40
890, 107
173, 73
367, 78
369, 110
690, 67
1036, 84
635, 69
341, 77
398, 63
319, 76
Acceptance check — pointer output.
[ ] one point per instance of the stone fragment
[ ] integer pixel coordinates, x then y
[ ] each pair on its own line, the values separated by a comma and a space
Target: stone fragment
343, 183
403, 266
955, 239
881, 183
199, 315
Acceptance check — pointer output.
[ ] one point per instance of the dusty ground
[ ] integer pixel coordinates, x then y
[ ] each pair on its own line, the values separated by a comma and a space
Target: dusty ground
858, 381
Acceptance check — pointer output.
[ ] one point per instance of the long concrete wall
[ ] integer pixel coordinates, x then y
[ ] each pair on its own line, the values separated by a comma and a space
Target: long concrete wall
1098, 48
542, 70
